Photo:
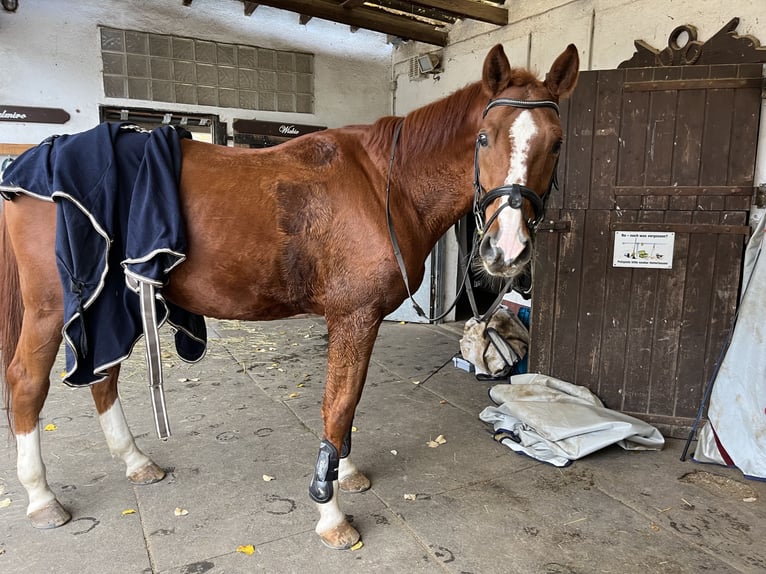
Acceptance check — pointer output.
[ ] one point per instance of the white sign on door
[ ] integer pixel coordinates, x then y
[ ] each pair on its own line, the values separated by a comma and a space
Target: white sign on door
647, 249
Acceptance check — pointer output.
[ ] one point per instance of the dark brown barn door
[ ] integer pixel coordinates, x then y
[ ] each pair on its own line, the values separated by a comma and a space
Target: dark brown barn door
647, 150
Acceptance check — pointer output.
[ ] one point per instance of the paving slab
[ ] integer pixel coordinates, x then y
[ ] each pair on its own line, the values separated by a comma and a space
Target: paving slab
251, 408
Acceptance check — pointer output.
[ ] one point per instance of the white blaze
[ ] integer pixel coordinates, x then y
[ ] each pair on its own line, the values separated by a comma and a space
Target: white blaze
511, 238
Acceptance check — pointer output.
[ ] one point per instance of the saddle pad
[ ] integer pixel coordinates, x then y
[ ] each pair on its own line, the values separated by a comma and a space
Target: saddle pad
116, 189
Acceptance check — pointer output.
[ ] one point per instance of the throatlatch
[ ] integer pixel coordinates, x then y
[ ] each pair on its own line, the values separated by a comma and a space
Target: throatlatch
326, 471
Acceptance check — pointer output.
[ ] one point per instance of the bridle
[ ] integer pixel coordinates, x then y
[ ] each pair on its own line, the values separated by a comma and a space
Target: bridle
482, 199
515, 192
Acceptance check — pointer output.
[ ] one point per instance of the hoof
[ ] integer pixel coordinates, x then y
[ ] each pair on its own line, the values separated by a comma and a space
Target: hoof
147, 474
51, 515
341, 537
355, 482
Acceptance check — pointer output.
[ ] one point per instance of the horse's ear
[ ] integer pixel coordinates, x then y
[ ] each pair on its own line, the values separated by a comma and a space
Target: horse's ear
496, 75
562, 78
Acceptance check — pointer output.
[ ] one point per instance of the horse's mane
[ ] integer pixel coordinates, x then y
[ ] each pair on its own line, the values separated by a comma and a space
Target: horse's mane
435, 124
438, 124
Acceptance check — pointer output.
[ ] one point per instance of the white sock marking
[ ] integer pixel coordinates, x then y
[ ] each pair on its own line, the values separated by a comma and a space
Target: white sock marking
330, 514
31, 471
120, 439
346, 468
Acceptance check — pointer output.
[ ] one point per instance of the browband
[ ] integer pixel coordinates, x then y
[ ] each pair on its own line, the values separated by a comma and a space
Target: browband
527, 104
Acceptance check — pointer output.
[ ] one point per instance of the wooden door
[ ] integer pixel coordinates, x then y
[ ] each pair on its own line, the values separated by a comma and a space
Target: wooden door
654, 149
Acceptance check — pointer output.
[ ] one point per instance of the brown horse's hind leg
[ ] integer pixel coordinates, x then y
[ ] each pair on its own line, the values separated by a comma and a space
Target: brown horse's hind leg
31, 226
139, 468
28, 379
348, 357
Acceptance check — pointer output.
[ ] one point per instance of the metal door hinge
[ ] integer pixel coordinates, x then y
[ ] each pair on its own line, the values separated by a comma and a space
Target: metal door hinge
560, 226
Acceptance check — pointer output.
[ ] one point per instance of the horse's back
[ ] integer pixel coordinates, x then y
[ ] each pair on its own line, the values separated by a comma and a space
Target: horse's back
268, 231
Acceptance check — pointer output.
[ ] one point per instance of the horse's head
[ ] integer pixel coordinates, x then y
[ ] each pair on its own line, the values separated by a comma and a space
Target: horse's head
516, 156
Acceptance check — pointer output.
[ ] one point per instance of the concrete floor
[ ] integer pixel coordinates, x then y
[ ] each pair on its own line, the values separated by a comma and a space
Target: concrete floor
251, 408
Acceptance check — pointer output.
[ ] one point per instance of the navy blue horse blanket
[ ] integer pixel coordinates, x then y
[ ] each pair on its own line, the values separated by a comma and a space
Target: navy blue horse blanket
118, 217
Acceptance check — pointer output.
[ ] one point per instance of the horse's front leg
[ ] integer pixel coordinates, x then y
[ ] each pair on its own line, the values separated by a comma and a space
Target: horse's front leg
350, 478
139, 468
348, 357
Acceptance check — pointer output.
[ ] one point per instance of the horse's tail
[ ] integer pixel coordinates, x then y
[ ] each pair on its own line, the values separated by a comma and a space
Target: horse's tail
11, 309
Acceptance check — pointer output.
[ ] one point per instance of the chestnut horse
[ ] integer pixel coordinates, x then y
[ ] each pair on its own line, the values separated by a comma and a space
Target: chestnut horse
305, 228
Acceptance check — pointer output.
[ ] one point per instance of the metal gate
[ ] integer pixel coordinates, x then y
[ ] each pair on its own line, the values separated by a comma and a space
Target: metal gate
657, 150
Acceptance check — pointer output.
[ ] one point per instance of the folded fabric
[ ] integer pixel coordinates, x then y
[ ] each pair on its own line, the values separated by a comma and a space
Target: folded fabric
494, 346
557, 422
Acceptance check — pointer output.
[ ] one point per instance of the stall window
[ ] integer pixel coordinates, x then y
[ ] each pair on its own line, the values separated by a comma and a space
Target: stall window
203, 127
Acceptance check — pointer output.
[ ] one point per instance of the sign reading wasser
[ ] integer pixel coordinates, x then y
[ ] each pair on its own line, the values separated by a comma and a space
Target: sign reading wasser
33, 115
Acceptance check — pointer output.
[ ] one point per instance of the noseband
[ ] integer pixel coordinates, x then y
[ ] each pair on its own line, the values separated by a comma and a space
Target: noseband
515, 192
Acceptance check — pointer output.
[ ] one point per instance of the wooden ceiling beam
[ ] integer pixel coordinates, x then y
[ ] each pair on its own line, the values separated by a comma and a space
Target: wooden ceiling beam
363, 18
497, 15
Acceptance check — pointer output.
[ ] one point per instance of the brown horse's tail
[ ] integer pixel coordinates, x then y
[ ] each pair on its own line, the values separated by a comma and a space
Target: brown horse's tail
11, 309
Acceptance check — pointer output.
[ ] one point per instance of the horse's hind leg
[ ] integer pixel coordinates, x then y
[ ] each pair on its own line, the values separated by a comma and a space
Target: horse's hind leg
139, 468
31, 225
28, 379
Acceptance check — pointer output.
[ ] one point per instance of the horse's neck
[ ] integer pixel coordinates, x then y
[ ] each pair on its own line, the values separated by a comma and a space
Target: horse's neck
431, 179
439, 188
437, 174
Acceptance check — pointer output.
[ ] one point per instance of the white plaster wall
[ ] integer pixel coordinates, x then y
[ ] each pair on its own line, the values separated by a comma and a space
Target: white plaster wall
604, 32
50, 57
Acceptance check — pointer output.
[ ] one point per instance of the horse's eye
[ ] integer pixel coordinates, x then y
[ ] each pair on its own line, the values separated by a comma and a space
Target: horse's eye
483, 140
557, 147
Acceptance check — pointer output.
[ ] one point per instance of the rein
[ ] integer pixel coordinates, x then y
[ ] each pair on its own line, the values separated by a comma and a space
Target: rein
398, 251
515, 193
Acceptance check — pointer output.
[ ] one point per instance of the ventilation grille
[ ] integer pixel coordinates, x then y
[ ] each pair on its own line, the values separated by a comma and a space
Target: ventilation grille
414, 68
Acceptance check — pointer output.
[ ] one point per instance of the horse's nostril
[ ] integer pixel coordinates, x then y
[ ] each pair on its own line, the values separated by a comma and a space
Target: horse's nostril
524, 255
487, 249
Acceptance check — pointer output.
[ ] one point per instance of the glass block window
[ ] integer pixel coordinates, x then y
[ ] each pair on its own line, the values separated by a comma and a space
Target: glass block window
174, 69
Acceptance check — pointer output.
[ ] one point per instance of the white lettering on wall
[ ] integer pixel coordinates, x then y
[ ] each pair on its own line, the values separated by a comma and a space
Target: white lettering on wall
288, 130
6, 115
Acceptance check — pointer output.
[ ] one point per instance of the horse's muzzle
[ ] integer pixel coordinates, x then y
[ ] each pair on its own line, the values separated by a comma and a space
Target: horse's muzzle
495, 260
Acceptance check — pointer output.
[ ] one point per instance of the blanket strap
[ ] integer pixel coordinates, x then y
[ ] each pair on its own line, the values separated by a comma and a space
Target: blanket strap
154, 358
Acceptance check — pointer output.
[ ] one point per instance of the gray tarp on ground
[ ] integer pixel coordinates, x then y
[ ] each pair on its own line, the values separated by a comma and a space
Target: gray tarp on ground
557, 422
